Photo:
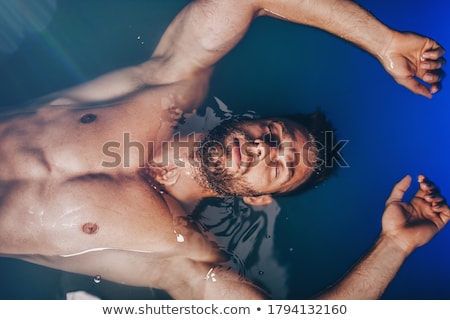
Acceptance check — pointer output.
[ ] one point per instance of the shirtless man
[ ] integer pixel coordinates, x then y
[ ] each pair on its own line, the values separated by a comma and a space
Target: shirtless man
64, 205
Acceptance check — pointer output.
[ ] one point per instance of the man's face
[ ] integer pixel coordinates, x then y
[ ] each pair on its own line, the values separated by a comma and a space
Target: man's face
254, 157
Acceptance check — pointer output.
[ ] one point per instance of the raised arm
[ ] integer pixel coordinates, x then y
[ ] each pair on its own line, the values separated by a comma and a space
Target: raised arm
206, 30
406, 226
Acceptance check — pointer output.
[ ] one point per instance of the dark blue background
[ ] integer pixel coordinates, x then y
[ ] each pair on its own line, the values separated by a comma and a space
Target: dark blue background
278, 68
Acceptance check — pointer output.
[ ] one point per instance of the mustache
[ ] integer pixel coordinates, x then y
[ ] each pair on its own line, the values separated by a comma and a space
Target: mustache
215, 158
215, 153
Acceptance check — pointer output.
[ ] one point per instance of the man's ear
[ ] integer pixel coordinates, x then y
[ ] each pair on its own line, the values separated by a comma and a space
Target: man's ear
263, 200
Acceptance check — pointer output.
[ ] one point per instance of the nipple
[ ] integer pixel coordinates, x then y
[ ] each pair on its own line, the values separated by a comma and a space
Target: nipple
90, 228
88, 118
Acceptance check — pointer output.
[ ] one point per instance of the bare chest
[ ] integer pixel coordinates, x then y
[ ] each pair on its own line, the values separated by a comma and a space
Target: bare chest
65, 142
69, 182
87, 214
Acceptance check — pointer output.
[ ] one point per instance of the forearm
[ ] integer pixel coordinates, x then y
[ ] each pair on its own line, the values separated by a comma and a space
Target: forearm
199, 281
205, 30
342, 18
370, 277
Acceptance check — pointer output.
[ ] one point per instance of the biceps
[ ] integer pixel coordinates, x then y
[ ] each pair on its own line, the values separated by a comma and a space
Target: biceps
203, 32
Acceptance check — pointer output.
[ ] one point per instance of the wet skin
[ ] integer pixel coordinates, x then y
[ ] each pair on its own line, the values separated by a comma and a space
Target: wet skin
63, 208
58, 200
60, 206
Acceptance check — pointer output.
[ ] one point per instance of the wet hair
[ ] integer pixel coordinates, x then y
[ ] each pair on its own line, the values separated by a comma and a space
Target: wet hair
323, 136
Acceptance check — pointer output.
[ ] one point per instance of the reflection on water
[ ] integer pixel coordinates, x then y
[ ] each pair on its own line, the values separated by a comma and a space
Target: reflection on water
245, 232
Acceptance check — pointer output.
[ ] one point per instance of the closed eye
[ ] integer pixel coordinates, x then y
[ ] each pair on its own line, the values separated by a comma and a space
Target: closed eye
270, 138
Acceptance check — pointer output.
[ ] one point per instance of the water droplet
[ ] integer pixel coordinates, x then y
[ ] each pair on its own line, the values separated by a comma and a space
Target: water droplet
291, 249
97, 279
180, 238
261, 272
142, 42
211, 275
139, 37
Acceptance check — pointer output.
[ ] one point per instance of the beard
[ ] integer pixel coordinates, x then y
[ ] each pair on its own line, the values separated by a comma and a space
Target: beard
214, 156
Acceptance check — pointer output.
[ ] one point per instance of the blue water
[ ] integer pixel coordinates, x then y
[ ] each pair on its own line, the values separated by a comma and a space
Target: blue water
278, 68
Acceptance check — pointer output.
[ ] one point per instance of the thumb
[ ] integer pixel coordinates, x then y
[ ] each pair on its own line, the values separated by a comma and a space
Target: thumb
399, 190
415, 86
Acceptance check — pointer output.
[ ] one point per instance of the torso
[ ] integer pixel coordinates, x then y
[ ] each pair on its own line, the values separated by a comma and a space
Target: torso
61, 197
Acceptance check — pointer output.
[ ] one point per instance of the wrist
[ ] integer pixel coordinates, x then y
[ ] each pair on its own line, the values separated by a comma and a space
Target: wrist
386, 44
396, 244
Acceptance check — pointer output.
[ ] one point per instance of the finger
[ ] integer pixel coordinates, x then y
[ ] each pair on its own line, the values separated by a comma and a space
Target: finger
439, 206
443, 212
433, 64
435, 87
423, 210
433, 54
429, 194
433, 76
434, 198
399, 190
425, 183
426, 186
415, 86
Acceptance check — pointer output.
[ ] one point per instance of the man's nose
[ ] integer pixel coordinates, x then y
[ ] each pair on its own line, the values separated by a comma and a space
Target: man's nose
272, 153
259, 150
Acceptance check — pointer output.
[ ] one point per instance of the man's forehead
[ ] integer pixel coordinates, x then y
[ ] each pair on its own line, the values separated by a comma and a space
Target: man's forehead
260, 122
288, 125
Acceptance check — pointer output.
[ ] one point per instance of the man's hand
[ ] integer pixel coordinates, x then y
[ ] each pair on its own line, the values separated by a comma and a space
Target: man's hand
413, 224
409, 58
406, 226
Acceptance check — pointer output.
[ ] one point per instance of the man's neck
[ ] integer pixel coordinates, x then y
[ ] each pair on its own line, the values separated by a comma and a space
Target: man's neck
187, 191
177, 174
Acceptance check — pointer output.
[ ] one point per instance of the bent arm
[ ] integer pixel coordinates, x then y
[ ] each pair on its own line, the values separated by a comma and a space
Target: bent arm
206, 30
405, 227
196, 280
343, 18
370, 277
202, 33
